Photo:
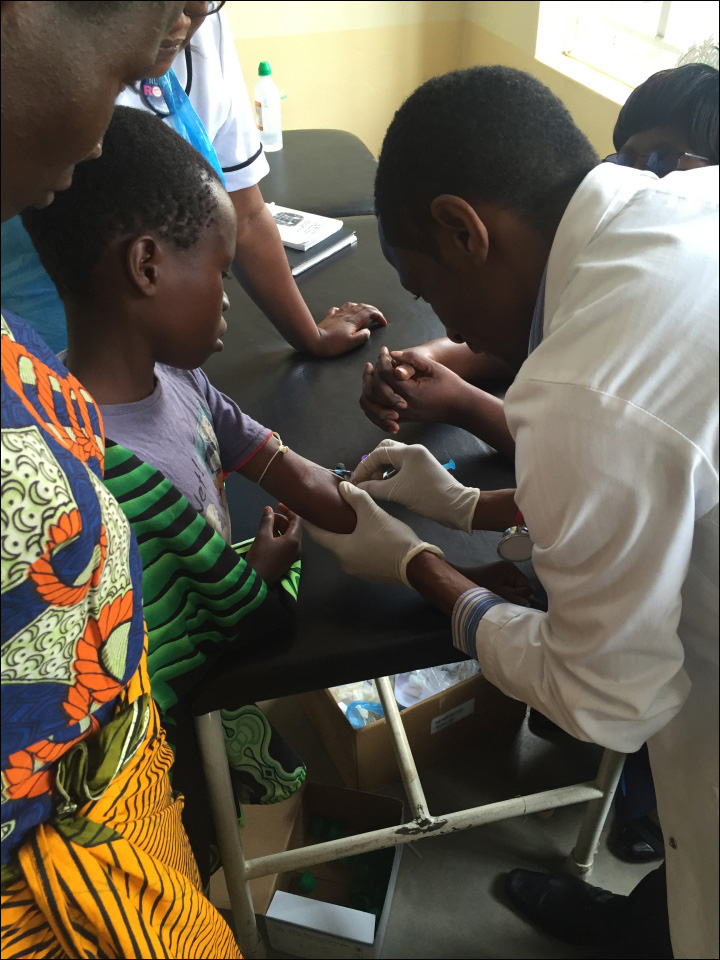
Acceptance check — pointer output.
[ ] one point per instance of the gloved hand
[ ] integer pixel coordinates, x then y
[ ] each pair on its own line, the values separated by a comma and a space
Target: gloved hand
421, 484
379, 548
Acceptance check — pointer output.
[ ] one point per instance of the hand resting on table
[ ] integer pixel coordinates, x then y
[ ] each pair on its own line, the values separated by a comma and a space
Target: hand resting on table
408, 385
345, 328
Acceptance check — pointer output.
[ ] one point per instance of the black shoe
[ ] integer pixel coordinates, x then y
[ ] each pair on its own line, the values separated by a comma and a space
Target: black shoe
565, 907
638, 841
543, 726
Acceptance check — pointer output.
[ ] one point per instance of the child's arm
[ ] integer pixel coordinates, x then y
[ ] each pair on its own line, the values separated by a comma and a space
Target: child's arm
307, 488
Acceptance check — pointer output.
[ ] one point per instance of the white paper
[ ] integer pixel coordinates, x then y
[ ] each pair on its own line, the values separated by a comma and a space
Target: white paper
452, 716
301, 231
322, 917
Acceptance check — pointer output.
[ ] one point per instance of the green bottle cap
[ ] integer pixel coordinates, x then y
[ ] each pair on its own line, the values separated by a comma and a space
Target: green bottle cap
307, 882
264, 69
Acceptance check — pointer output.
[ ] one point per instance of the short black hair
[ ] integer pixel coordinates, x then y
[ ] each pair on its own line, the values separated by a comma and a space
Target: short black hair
684, 98
147, 179
486, 133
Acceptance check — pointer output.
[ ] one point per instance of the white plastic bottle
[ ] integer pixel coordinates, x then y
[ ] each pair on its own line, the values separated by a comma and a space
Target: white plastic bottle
267, 109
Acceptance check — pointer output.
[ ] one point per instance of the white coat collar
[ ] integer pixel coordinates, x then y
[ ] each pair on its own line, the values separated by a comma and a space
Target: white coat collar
601, 195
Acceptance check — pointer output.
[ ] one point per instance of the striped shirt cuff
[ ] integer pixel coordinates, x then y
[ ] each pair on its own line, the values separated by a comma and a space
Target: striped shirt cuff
468, 611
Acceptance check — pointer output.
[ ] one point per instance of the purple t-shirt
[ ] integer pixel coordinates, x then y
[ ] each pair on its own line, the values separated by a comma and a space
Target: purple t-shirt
193, 433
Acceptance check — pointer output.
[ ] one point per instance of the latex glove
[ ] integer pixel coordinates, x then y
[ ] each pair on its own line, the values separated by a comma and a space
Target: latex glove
379, 548
421, 484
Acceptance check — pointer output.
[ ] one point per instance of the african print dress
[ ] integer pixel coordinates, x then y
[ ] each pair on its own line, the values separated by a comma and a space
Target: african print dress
95, 861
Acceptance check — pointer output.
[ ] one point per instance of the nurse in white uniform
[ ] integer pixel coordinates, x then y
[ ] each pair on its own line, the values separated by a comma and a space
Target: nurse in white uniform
208, 83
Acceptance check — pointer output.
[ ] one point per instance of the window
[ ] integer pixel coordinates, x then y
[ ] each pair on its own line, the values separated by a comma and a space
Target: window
622, 42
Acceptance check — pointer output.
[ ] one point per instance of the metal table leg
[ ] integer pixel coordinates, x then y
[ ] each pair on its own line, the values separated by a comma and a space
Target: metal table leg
222, 801
403, 753
598, 794
580, 861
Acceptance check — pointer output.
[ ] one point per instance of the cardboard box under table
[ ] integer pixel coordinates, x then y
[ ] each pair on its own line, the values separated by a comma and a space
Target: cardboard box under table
321, 923
435, 728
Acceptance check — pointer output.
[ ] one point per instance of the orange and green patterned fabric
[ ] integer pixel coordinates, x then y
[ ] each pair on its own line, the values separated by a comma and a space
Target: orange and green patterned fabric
111, 874
95, 861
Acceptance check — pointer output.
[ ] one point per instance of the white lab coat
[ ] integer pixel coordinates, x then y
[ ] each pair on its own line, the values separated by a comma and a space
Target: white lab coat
615, 418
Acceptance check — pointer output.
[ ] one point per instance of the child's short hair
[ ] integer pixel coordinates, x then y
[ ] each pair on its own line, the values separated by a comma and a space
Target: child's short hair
147, 179
486, 133
684, 98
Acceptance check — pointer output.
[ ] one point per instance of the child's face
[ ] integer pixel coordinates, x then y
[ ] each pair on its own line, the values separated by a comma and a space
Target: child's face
193, 299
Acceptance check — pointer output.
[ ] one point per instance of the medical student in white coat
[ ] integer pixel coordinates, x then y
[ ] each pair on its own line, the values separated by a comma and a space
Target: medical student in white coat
198, 57
599, 285
669, 122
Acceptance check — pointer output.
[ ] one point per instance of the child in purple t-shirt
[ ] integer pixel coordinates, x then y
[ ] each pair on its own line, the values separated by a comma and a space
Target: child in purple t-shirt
138, 248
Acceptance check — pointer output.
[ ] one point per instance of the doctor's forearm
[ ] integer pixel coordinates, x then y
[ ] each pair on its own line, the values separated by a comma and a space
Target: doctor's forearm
473, 367
262, 269
483, 415
495, 510
436, 581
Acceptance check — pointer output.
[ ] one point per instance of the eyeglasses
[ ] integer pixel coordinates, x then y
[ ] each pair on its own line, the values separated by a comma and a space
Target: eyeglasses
661, 162
191, 9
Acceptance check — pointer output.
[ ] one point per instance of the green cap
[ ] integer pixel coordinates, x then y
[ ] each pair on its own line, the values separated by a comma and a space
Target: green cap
264, 69
307, 882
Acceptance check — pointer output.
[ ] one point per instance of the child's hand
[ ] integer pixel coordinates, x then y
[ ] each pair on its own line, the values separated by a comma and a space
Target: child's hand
504, 579
277, 544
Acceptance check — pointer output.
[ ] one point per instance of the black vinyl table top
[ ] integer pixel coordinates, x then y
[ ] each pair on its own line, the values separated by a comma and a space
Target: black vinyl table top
329, 172
347, 629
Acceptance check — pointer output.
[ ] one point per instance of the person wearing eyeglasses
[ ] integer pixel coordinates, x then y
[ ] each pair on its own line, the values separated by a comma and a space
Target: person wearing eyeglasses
197, 88
668, 123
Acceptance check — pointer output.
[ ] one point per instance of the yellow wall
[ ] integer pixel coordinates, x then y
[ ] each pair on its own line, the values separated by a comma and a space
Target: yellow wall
351, 80
501, 32
351, 64
346, 65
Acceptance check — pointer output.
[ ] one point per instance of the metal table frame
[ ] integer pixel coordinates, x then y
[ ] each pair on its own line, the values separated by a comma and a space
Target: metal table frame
239, 871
